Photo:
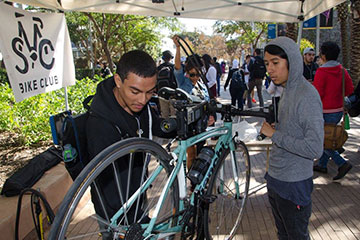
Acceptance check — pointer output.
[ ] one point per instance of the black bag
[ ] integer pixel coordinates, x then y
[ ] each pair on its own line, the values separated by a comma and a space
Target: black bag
258, 68
238, 80
166, 77
74, 139
69, 131
27, 176
74, 134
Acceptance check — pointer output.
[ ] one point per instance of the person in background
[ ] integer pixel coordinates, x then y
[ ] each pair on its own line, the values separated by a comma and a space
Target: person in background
298, 139
188, 79
328, 82
234, 68
211, 74
166, 78
310, 66
105, 70
317, 60
237, 88
218, 75
257, 73
245, 68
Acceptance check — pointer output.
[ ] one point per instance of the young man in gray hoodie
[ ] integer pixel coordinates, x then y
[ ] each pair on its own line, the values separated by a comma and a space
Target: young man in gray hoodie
298, 139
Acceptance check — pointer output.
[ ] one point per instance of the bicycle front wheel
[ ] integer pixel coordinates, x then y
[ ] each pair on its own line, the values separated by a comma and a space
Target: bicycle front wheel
230, 184
124, 183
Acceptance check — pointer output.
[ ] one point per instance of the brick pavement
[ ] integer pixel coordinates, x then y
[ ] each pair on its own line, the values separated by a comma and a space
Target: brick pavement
335, 213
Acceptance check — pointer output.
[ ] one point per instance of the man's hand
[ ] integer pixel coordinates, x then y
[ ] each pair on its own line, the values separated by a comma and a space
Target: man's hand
224, 89
175, 39
267, 129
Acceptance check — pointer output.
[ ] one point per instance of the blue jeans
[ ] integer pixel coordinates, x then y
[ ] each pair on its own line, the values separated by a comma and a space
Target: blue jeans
218, 84
339, 161
291, 220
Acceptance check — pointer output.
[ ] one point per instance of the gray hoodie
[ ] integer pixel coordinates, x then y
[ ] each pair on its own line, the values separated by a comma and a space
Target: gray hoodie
299, 135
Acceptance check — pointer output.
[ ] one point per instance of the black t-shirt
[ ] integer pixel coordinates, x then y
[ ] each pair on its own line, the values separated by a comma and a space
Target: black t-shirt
310, 70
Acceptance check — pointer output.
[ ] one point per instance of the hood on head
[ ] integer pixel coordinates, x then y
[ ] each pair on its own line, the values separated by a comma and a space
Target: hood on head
295, 59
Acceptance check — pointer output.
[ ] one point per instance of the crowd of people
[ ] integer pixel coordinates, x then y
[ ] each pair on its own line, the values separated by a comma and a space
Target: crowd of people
305, 96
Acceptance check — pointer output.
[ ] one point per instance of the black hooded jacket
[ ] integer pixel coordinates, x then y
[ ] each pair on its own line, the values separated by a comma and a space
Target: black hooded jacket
109, 123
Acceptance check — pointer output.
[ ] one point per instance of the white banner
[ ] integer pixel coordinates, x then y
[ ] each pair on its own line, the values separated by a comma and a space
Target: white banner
37, 51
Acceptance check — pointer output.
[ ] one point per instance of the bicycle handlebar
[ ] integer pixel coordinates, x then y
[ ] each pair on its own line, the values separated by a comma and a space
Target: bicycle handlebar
232, 111
192, 114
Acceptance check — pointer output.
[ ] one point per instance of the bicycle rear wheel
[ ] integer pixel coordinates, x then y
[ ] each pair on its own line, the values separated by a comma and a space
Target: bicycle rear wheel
230, 185
148, 166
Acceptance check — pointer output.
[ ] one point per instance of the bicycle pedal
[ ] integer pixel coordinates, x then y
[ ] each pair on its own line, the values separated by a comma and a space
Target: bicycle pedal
208, 198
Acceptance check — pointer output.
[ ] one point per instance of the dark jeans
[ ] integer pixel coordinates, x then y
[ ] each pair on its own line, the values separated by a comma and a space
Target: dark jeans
291, 220
339, 161
258, 84
218, 84
237, 96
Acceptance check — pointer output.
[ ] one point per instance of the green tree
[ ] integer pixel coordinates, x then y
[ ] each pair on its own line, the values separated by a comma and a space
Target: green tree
113, 35
201, 43
244, 32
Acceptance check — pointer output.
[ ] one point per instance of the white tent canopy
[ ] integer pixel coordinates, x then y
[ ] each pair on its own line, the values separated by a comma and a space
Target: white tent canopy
242, 10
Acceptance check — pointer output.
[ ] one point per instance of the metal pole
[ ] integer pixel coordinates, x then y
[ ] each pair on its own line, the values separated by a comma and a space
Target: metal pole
66, 99
300, 32
317, 35
92, 64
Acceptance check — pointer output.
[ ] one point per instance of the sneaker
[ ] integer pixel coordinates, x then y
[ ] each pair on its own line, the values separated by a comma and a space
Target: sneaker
343, 170
317, 168
253, 100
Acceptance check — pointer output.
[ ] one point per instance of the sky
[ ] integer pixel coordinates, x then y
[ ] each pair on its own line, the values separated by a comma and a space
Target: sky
190, 24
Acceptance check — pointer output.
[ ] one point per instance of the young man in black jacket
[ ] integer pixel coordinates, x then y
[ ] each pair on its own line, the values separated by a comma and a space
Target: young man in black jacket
119, 110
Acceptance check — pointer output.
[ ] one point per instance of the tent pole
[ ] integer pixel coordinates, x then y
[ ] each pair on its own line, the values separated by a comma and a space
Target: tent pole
317, 35
66, 99
300, 32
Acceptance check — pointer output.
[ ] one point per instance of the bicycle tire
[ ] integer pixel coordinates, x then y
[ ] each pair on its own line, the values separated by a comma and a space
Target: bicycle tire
223, 216
62, 227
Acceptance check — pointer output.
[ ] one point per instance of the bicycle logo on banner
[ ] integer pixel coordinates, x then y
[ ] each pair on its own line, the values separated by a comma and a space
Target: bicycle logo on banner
37, 51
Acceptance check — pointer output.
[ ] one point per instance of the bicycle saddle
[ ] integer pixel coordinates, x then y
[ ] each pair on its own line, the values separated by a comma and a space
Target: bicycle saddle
182, 95
166, 92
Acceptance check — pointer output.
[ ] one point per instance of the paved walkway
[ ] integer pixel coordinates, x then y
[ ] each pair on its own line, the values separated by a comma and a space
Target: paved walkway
336, 211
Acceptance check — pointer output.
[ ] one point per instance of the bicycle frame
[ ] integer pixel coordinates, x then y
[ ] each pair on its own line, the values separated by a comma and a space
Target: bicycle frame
179, 162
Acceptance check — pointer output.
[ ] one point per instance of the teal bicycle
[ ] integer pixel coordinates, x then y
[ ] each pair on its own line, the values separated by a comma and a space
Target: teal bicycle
170, 202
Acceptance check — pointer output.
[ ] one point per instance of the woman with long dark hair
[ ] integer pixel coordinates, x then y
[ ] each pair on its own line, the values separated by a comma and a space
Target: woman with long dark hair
210, 73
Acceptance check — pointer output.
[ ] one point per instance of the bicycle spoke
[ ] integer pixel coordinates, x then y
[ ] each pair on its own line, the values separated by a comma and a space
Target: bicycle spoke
232, 179
101, 200
118, 185
81, 218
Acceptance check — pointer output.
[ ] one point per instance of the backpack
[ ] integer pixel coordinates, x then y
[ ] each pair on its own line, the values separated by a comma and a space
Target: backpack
69, 131
258, 68
166, 77
237, 80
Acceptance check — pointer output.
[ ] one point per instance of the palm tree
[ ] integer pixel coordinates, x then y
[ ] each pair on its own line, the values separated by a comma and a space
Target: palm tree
343, 13
292, 31
355, 42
